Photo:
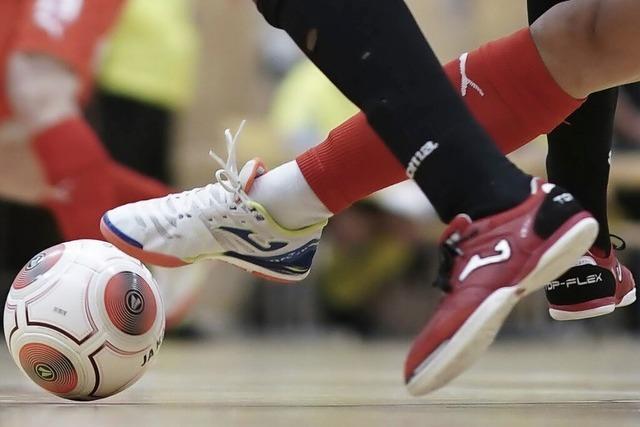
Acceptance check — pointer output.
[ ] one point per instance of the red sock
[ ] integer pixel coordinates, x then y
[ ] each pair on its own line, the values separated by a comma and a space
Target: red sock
521, 99
74, 161
510, 92
67, 149
350, 164
88, 181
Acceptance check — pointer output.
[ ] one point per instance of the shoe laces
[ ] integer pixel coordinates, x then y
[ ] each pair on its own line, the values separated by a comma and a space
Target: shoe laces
228, 178
449, 250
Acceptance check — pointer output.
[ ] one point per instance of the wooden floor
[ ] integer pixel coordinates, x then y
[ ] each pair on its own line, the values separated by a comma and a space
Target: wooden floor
333, 381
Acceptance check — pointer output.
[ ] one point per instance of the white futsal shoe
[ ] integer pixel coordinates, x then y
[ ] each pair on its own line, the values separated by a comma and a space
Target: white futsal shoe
218, 221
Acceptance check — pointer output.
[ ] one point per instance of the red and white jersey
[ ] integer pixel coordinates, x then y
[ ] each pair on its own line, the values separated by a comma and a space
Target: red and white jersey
69, 30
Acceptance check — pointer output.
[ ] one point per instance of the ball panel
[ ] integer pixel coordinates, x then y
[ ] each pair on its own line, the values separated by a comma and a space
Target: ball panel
48, 368
116, 369
130, 303
62, 306
37, 266
86, 324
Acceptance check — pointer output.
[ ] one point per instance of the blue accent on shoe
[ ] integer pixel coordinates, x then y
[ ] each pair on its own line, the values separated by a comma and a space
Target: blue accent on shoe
295, 263
119, 233
246, 236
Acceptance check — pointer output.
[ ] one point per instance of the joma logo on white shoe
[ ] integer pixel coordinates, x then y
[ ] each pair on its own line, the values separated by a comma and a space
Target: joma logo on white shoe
589, 280
417, 159
254, 239
503, 253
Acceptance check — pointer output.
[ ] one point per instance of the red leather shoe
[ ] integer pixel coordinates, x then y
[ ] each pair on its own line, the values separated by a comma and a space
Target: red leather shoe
488, 266
593, 287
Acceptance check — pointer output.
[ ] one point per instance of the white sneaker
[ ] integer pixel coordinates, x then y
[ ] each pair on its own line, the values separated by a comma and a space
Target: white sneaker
219, 221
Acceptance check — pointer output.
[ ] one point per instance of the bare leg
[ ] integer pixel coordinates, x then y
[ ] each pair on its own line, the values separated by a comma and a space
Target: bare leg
590, 45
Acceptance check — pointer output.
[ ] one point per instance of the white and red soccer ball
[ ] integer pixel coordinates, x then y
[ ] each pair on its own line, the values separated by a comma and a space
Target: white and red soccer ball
84, 320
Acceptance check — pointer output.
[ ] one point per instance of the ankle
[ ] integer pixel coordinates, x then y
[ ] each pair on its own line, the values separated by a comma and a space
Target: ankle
287, 197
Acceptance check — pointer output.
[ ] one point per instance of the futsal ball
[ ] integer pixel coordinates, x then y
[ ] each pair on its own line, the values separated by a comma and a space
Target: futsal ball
83, 320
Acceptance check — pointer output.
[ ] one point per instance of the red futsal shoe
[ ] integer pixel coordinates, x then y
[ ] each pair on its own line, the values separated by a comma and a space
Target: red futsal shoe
488, 266
593, 287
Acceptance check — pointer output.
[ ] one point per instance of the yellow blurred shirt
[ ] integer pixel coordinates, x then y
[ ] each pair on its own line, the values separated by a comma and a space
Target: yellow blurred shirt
152, 52
306, 98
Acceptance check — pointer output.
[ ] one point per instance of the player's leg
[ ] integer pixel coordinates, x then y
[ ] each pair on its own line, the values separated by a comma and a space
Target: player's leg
49, 68
579, 160
354, 162
42, 94
590, 43
410, 104
505, 85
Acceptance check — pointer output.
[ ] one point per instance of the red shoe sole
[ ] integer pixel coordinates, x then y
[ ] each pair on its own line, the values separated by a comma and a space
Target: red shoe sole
147, 257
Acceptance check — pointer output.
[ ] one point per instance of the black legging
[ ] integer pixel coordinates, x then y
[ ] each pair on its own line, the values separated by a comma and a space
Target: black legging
578, 158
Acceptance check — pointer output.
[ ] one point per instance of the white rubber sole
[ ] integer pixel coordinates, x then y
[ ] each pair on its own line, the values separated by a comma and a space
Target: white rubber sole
628, 299
480, 329
563, 315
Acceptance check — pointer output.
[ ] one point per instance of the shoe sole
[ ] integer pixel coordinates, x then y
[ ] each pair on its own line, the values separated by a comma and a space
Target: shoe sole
480, 329
565, 315
628, 299
169, 261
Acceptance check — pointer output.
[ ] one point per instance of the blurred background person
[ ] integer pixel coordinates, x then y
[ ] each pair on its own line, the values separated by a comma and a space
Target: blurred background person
52, 159
48, 56
146, 78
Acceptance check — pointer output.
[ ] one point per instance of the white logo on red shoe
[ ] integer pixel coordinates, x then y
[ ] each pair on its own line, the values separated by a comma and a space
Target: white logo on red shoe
504, 253
591, 279
546, 187
618, 272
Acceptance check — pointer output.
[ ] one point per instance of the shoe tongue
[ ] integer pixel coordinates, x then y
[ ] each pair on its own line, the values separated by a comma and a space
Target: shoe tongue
250, 171
458, 225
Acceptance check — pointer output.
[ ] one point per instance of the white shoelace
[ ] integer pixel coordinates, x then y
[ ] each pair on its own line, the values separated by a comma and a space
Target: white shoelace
228, 177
